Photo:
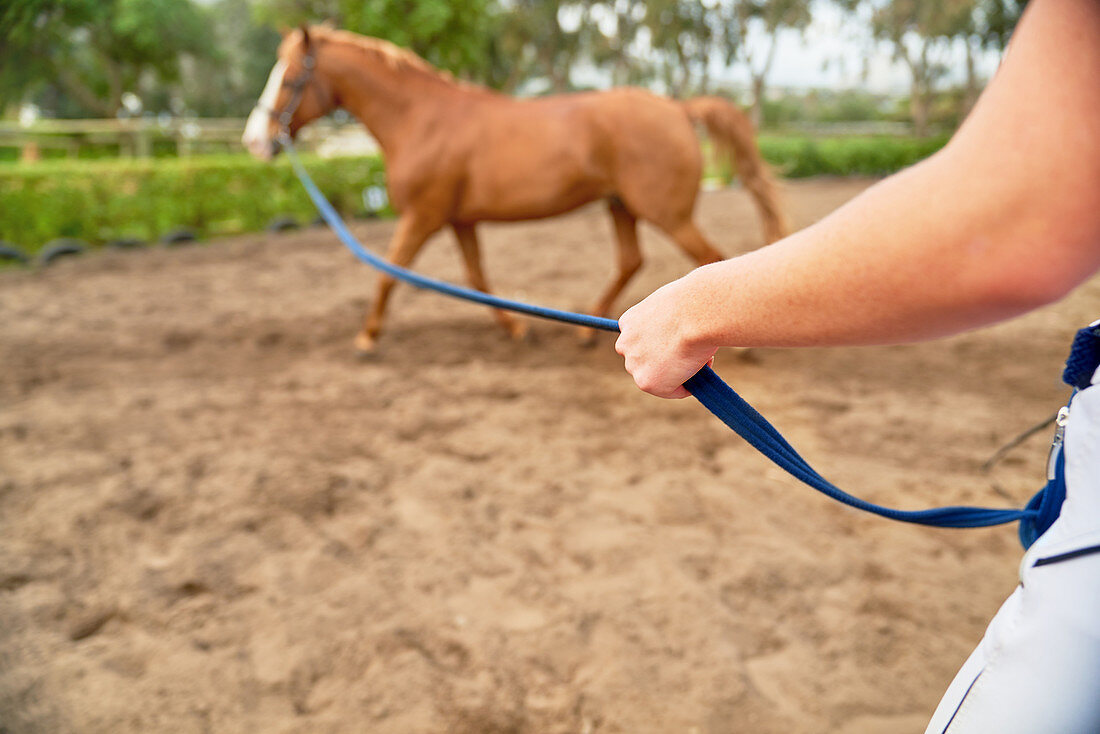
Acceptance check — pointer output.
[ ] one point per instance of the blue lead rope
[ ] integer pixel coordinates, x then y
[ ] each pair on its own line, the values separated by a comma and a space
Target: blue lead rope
709, 389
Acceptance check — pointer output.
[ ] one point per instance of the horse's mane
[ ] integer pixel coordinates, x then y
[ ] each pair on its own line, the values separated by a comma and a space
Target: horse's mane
391, 54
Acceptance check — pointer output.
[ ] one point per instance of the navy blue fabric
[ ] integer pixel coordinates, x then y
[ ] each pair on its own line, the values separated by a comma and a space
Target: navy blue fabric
1083, 361
706, 386
720, 399
1084, 358
1047, 504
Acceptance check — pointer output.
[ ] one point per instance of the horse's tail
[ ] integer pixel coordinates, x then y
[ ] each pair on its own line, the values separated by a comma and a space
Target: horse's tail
731, 130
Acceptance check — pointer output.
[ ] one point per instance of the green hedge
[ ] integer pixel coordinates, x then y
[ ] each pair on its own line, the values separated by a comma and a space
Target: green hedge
102, 200
847, 156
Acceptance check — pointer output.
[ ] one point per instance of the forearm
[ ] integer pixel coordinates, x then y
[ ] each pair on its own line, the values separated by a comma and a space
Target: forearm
1005, 219
916, 257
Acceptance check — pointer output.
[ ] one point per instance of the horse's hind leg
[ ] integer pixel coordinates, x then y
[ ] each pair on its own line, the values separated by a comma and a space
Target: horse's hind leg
408, 238
689, 239
630, 261
466, 235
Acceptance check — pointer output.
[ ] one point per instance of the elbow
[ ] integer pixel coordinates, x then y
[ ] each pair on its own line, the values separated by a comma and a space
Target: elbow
1027, 287
1053, 287
1038, 293
1034, 258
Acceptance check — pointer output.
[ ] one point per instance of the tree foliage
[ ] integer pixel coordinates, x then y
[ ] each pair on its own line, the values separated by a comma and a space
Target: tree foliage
770, 16
917, 30
455, 35
919, 33
533, 40
227, 85
680, 35
96, 50
996, 19
210, 57
615, 32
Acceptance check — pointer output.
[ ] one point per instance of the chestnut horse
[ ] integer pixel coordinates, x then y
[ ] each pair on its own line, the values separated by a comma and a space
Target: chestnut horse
457, 154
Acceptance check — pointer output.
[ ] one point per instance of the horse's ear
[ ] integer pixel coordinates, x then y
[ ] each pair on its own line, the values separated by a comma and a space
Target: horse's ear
329, 23
305, 37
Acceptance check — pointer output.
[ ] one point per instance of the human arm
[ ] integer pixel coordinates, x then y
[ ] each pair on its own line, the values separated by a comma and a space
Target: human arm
1004, 219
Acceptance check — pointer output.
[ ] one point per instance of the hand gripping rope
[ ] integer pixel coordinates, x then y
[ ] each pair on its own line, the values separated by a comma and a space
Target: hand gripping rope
719, 398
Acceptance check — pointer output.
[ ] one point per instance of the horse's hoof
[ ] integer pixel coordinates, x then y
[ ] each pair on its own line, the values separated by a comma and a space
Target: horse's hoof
519, 331
364, 345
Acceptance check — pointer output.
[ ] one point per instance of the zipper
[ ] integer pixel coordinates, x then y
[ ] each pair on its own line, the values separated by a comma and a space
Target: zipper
1056, 445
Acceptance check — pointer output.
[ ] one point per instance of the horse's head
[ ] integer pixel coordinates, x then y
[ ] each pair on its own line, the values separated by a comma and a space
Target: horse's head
297, 93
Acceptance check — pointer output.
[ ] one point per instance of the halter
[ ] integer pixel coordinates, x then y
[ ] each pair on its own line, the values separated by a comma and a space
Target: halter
298, 88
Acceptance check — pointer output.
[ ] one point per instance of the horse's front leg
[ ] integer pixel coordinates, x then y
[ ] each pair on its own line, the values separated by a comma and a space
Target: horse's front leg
629, 261
409, 236
466, 235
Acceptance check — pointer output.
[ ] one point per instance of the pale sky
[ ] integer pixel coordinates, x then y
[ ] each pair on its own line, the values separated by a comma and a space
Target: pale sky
834, 52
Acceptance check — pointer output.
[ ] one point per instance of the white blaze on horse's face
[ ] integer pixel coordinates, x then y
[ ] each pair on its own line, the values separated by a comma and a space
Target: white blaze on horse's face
257, 131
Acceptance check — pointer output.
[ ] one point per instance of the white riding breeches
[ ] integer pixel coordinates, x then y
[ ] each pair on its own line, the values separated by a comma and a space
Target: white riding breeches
1037, 670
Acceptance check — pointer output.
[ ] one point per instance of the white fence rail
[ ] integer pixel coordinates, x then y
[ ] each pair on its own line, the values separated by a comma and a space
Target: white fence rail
136, 137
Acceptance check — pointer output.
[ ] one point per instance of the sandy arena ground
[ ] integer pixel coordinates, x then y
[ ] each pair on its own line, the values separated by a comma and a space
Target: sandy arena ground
214, 519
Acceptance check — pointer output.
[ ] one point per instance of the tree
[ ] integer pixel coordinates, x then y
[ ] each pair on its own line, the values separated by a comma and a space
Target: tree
228, 83
533, 39
681, 35
675, 41
97, 50
992, 24
456, 35
919, 31
616, 27
770, 16
996, 19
